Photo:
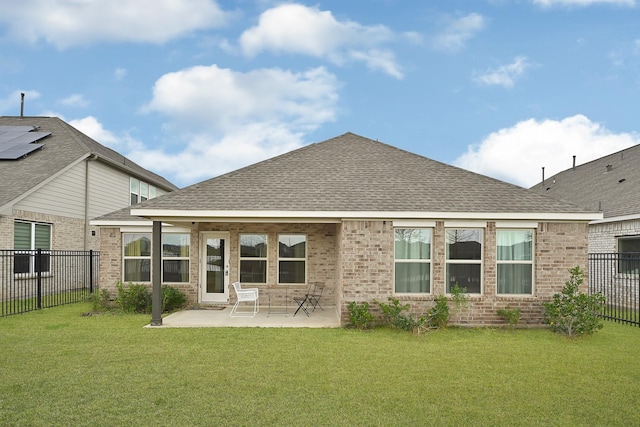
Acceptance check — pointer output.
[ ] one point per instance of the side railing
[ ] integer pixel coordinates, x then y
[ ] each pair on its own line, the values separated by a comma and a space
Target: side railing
617, 277
31, 280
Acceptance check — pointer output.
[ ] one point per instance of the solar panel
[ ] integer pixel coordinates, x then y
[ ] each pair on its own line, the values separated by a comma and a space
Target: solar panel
18, 141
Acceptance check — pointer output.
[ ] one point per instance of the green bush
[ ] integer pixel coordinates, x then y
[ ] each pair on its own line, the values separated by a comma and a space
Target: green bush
133, 298
438, 316
359, 315
100, 301
510, 315
393, 314
172, 298
572, 312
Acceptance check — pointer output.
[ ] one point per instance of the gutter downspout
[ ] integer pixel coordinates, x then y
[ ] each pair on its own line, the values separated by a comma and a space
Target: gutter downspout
86, 200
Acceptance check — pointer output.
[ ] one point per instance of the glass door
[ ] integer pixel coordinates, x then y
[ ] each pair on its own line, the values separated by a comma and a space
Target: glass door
214, 275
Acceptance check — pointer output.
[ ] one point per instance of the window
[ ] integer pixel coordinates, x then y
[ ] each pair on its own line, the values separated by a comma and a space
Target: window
292, 258
141, 191
137, 257
253, 258
175, 258
629, 250
27, 238
412, 260
464, 259
515, 261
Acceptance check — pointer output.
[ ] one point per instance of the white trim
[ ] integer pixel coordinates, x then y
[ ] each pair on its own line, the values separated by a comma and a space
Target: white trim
516, 224
616, 219
465, 224
149, 229
416, 223
253, 215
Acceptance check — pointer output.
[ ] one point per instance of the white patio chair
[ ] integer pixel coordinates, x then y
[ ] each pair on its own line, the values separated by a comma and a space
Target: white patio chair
245, 295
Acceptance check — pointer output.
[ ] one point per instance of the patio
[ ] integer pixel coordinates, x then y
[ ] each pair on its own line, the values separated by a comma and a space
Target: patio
218, 317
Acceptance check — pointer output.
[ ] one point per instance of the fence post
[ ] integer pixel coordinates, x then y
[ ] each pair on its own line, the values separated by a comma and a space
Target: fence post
38, 262
90, 271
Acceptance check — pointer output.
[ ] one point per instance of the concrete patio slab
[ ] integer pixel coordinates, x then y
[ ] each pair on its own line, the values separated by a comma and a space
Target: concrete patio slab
219, 318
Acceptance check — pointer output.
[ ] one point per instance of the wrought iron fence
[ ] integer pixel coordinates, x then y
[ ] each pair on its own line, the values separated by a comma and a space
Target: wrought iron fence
31, 280
617, 277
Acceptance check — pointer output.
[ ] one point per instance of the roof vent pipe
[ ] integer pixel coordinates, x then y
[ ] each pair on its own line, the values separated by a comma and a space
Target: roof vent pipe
574, 162
543, 176
22, 104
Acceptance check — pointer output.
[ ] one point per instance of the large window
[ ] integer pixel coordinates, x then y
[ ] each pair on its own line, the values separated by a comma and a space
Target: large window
175, 258
253, 258
292, 258
141, 191
464, 259
629, 250
137, 257
27, 238
412, 260
515, 261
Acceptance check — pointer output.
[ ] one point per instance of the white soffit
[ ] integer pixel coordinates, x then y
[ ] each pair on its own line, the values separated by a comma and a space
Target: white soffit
336, 216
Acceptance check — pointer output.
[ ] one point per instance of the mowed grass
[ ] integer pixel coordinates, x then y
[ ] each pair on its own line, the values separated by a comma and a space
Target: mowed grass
60, 368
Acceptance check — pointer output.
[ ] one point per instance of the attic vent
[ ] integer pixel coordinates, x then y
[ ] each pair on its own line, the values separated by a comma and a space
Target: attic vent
18, 141
609, 167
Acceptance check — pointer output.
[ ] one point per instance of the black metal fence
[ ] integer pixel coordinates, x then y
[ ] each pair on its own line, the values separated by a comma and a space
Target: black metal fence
617, 277
31, 280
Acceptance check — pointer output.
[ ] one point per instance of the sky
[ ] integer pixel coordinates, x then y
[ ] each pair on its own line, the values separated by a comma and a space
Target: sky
192, 89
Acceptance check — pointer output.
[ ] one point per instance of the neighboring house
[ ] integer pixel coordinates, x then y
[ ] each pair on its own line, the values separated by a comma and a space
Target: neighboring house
54, 179
364, 220
611, 185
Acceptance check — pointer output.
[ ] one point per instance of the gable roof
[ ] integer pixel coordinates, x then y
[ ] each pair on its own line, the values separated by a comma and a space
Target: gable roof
610, 184
65, 146
351, 176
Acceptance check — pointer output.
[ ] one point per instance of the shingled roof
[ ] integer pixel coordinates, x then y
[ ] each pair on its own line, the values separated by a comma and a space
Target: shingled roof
350, 173
610, 184
65, 146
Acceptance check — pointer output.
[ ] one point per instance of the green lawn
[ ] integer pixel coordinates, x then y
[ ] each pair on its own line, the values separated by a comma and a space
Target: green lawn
60, 368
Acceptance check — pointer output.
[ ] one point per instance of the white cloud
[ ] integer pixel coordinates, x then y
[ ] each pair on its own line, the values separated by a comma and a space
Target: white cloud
458, 32
504, 75
551, 3
65, 23
298, 29
226, 119
91, 127
517, 154
75, 100
120, 73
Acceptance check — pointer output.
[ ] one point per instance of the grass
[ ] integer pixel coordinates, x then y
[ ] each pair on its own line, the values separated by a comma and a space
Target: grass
60, 368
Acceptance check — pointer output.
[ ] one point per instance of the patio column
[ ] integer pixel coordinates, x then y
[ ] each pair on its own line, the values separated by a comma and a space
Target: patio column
156, 274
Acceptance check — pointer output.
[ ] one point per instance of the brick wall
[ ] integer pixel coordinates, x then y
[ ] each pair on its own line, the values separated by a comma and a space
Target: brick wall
321, 260
603, 237
367, 265
67, 233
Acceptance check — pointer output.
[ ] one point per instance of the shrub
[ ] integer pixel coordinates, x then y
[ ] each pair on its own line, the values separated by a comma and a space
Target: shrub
172, 298
359, 315
100, 300
393, 314
134, 298
439, 315
572, 312
510, 315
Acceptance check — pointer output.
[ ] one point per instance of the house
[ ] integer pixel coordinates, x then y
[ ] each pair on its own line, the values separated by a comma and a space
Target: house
55, 179
361, 219
611, 185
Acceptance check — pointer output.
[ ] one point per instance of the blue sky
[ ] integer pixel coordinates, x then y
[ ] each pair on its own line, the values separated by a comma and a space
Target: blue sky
192, 89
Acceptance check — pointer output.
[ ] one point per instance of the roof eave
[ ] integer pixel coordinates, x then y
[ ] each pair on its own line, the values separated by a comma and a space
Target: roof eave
337, 216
